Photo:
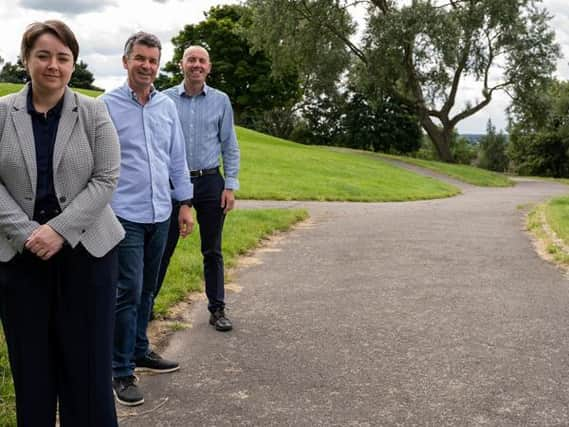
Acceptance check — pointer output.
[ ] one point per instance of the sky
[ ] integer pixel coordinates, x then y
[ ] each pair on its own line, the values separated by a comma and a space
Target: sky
102, 27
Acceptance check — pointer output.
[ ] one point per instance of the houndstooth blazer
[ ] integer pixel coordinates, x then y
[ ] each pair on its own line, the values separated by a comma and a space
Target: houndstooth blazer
86, 162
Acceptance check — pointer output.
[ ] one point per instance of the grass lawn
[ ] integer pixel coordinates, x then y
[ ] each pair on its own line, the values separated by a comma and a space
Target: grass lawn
243, 230
273, 168
469, 174
557, 216
7, 88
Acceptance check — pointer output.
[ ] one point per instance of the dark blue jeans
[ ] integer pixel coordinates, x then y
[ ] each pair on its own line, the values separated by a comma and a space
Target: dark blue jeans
140, 254
210, 216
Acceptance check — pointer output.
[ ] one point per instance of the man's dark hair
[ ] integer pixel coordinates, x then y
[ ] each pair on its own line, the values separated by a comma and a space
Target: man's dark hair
143, 38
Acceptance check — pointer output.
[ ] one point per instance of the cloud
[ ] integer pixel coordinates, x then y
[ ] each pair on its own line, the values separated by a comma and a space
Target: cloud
67, 7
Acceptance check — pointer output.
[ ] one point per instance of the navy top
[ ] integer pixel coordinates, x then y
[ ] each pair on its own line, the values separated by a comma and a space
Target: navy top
45, 131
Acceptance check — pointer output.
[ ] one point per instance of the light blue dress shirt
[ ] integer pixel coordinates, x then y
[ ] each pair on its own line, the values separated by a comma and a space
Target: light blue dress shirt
152, 153
207, 123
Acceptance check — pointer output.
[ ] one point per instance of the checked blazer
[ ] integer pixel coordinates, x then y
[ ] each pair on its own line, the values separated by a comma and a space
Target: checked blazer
86, 163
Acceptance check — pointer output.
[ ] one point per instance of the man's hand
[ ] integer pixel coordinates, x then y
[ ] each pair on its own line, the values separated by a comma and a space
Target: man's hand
44, 242
185, 220
227, 200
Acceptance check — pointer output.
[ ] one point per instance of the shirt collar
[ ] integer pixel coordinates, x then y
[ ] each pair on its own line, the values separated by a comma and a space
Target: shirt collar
54, 112
181, 90
132, 93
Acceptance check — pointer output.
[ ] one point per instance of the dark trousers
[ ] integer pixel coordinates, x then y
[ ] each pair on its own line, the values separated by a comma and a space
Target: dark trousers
140, 255
210, 216
58, 319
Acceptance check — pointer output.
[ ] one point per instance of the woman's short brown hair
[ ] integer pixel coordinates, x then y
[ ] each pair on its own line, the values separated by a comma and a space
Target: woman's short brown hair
55, 27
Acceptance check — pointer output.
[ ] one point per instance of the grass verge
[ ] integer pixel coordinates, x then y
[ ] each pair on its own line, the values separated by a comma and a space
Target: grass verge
243, 230
465, 173
549, 223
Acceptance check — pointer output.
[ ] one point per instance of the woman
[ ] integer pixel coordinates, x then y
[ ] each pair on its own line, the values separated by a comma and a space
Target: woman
59, 164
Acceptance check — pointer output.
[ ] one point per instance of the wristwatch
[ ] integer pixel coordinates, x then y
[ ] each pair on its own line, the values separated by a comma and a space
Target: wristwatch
187, 202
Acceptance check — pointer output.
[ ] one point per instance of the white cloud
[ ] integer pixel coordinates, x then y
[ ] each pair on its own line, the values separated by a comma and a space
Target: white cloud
65, 6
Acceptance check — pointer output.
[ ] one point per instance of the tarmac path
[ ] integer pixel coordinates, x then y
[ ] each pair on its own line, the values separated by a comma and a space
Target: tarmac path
429, 313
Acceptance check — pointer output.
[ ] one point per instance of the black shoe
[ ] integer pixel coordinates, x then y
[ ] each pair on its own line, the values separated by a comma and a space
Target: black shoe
153, 362
221, 323
126, 391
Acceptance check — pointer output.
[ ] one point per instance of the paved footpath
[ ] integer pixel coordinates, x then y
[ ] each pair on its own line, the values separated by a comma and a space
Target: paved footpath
430, 313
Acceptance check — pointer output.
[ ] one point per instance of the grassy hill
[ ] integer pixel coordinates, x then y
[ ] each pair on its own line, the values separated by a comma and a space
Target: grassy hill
7, 88
272, 168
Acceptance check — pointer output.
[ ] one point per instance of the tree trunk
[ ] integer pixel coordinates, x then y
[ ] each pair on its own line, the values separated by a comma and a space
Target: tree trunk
441, 139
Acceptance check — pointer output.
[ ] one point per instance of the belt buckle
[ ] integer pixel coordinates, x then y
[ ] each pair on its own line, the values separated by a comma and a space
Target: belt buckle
200, 172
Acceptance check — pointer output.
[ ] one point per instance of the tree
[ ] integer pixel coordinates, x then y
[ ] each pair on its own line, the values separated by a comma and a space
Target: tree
422, 50
492, 154
244, 75
539, 133
13, 73
82, 77
376, 121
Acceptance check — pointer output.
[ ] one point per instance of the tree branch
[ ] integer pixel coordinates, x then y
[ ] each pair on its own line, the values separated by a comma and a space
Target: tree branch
307, 14
382, 5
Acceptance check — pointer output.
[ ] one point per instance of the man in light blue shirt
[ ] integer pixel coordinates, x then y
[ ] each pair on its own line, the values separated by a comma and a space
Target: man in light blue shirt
153, 167
207, 122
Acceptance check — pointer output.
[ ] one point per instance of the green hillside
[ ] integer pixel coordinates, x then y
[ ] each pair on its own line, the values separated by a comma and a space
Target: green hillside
272, 168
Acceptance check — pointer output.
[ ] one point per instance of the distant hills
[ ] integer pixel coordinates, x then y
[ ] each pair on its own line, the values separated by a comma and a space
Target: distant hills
473, 138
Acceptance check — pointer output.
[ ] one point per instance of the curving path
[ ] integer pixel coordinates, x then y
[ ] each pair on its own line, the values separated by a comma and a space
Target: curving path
432, 313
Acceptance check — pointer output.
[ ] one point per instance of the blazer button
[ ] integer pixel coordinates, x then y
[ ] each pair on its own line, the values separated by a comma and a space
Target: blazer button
63, 199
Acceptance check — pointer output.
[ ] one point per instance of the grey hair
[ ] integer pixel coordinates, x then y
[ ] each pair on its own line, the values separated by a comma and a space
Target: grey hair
144, 38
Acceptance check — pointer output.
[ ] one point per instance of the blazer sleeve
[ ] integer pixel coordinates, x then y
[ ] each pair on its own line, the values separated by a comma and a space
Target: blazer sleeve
88, 205
14, 222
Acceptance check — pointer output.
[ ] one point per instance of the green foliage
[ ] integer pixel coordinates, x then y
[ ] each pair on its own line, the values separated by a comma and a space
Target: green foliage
539, 140
244, 74
13, 73
16, 73
82, 77
419, 50
358, 119
492, 154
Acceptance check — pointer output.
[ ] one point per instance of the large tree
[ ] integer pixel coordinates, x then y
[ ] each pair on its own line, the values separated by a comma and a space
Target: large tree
243, 74
422, 50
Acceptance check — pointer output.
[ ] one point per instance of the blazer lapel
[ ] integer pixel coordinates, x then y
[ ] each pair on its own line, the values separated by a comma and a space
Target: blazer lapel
23, 125
67, 122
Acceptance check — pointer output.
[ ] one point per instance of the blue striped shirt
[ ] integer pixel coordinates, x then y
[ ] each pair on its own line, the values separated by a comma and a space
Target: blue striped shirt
207, 123
152, 153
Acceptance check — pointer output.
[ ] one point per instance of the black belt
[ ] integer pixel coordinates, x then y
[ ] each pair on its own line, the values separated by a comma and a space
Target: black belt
202, 172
